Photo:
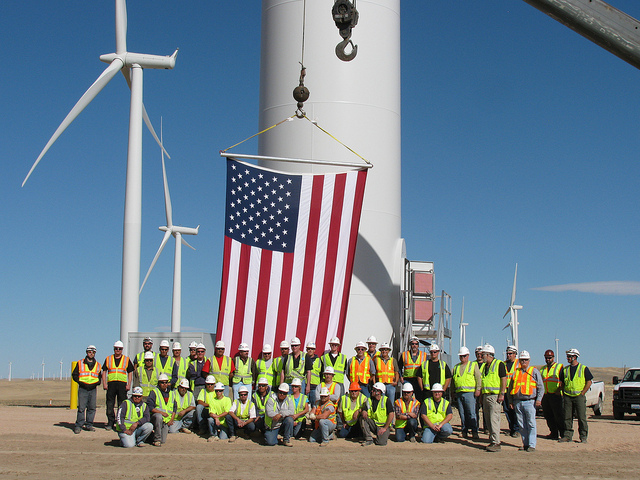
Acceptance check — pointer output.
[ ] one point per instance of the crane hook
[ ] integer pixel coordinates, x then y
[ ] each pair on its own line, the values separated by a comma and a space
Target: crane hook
341, 50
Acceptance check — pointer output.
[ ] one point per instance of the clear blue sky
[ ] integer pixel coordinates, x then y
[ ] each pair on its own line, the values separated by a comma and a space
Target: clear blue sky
520, 144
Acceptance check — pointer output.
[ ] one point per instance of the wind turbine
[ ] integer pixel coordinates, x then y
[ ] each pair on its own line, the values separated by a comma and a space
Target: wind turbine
171, 229
61, 362
10, 363
131, 66
463, 329
43, 369
513, 311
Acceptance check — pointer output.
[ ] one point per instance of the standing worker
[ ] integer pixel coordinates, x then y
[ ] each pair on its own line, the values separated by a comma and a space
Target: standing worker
372, 345
467, 385
244, 371
87, 375
494, 385
117, 374
433, 371
552, 399
361, 369
264, 365
387, 370
525, 396
147, 345
313, 367
180, 365
221, 367
576, 380
410, 362
512, 364
337, 361
294, 366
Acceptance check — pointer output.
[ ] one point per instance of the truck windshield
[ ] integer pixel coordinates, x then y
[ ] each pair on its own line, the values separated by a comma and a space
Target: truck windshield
632, 376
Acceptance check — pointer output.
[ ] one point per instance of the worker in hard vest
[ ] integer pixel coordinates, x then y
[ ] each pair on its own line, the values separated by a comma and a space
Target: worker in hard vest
146, 375
361, 369
335, 392
162, 406
260, 397
407, 411
117, 375
552, 399
387, 370
198, 371
336, 360
494, 386
525, 392
264, 365
378, 418
467, 385
313, 367
164, 363
221, 367
301, 408
185, 408
410, 362
193, 355
278, 363
511, 363
433, 371
147, 345
278, 419
350, 410
244, 370
479, 361
133, 424
180, 365
294, 366
372, 347
576, 380
243, 414
325, 420
86, 374
436, 416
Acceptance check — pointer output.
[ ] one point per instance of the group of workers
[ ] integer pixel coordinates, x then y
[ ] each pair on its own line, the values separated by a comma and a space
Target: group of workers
222, 397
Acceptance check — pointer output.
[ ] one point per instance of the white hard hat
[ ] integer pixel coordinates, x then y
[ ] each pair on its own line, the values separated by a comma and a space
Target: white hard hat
243, 389
437, 388
220, 344
311, 345
176, 346
243, 347
284, 344
296, 382
295, 341
407, 387
193, 345
573, 351
372, 339
380, 386
384, 345
360, 345
147, 339
149, 356
137, 391
414, 339
324, 392
335, 341
434, 347
267, 349
512, 348
184, 383
201, 346
219, 386
284, 388
263, 381
524, 355
119, 344
92, 348
463, 351
211, 380
488, 349
165, 343
163, 377
329, 370
479, 348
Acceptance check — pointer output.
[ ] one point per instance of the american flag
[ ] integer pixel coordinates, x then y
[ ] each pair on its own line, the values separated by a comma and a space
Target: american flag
289, 246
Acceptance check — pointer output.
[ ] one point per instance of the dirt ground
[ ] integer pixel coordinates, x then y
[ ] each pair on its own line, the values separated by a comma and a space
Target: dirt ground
36, 441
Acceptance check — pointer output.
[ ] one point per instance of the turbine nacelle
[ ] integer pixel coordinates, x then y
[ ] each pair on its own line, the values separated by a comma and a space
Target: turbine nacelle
181, 230
144, 60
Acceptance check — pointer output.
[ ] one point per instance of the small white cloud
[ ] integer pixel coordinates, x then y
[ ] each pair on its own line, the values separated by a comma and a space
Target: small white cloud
601, 288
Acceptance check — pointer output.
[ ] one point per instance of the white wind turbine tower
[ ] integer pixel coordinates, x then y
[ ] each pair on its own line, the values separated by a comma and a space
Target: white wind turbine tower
513, 312
10, 363
131, 65
177, 232
43, 369
463, 328
61, 362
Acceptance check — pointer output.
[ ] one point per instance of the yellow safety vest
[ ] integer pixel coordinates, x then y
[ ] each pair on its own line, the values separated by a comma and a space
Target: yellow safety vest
268, 421
438, 413
261, 403
265, 370
221, 373
385, 370
359, 371
300, 405
147, 383
339, 367
349, 407
290, 372
380, 414
425, 374
464, 379
410, 365
551, 377
242, 373
574, 386
183, 365
523, 382
491, 378
139, 358
87, 375
164, 406
512, 370
132, 414
119, 373
315, 371
167, 368
404, 409
182, 403
243, 413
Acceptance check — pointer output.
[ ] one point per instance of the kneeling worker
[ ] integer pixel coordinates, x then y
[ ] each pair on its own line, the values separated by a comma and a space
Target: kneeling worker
132, 421
436, 414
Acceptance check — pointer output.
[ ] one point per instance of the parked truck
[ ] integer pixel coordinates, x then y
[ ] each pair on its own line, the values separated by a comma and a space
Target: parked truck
626, 394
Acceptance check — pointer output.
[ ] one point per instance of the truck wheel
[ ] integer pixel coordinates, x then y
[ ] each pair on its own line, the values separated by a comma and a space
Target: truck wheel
597, 408
618, 414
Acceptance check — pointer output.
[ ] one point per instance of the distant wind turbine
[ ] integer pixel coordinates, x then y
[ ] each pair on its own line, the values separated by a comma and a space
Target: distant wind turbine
463, 328
171, 229
513, 312
131, 65
10, 371
43, 369
61, 362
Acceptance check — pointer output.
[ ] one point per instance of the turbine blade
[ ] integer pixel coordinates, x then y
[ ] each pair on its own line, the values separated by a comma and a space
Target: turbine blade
167, 198
85, 100
121, 26
462, 315
508, 311
185, 242
155, 259
513, 292
506, 326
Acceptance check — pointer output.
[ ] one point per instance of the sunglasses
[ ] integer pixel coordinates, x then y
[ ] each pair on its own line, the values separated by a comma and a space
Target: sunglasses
117, 348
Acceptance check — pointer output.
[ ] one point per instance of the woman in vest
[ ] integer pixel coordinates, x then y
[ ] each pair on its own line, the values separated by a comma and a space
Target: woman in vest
301, 403
436, 414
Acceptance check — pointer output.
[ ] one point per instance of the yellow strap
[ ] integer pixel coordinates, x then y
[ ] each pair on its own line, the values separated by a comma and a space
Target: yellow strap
259, 133
345, 146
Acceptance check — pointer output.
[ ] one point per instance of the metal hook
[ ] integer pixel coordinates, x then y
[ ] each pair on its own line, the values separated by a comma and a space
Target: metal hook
341, 50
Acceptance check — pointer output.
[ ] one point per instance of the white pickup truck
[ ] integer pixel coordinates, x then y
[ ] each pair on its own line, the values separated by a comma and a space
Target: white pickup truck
626, 394
595, 397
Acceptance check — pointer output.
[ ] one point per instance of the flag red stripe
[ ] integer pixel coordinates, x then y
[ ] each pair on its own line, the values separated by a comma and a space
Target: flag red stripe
241, 296
261, 304
283, 303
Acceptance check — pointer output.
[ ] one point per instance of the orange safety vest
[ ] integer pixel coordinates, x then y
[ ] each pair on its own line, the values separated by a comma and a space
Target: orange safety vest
332, 415
404, 409
117, 374
551, 378
386, 372
359, 371
523, 382
85, 375
410, 366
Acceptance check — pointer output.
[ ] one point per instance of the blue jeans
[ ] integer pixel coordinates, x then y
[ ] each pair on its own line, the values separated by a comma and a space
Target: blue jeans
364, 389
353, 431
467, 408
221, 431
185, 422
286, 428
409, 430
323, 432
525, 411
312, 395
139, 435
511, 415
391, 392
428, 436
249, 428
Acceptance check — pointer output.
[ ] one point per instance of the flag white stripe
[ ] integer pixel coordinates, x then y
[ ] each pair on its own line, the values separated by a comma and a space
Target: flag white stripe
253, 281
275, 286
232, 291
